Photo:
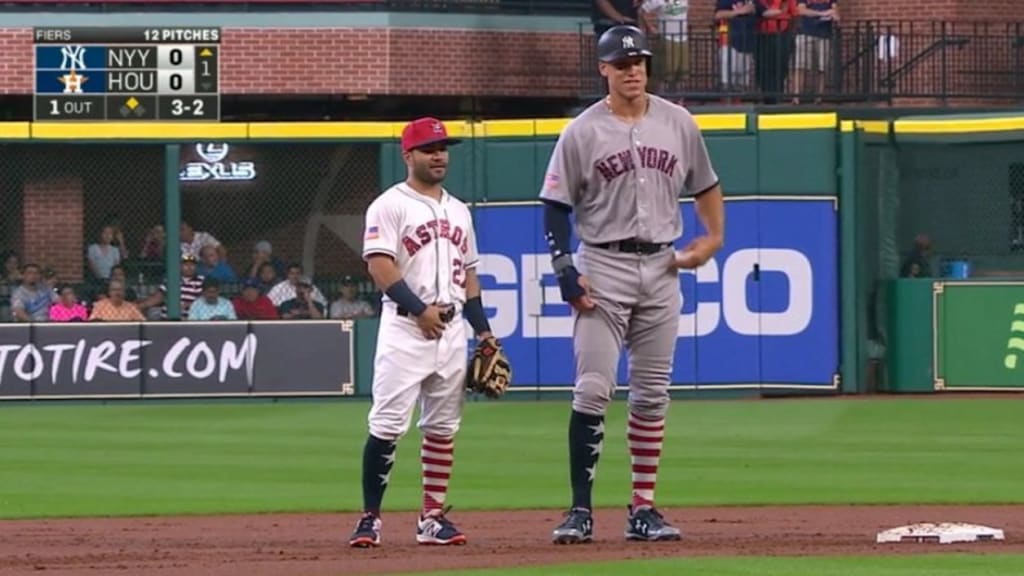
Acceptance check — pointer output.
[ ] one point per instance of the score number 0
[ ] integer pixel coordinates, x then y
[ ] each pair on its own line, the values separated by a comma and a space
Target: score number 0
177, 57
178, 106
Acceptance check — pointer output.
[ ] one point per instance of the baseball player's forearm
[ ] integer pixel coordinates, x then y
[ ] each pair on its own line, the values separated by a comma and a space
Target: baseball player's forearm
389, 280
557, 232
473, 311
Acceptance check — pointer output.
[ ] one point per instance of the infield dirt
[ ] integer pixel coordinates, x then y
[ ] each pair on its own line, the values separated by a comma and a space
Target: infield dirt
316, 544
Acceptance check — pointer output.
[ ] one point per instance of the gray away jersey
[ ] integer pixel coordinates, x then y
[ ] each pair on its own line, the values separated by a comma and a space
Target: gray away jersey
624, 181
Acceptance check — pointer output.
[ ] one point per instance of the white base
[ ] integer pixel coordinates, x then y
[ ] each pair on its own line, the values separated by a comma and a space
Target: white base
941, 533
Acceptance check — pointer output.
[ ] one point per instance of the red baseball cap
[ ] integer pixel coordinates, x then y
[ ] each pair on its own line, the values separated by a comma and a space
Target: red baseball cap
423, 132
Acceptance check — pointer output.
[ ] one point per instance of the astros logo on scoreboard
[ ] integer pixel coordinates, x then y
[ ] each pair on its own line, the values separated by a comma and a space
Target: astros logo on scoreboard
72, 82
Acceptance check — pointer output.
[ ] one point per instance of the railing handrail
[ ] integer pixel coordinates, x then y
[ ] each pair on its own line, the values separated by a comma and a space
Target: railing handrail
865, 61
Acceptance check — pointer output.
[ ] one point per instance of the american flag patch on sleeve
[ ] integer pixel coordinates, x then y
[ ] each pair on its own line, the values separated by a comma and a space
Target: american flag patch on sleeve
551, 180
371, 233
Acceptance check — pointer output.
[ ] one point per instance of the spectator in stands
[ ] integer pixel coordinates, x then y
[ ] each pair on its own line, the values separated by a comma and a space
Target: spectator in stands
302, 306
67, 308
113, 307
97, 291
251, 304
917, 262
349, 306
109, 251
51, 280
31, 301
736, 41
268, 278
211, 266
667, 25
192, 242
155, 244
12, 268
263, 253
118, 273
771, 57
212, 306
814, 45
191, 288
285, 289
608, 13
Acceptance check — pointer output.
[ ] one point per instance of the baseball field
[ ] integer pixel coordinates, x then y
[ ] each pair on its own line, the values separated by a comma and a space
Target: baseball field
760, 487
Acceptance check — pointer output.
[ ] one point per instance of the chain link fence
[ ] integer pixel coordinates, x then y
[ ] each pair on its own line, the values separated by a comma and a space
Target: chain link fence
933, 210
87, 224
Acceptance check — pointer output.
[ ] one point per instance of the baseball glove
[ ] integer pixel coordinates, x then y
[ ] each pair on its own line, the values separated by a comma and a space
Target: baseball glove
489, 370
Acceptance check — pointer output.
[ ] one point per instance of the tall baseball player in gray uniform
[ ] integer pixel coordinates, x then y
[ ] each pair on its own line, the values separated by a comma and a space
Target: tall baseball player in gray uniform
621, 167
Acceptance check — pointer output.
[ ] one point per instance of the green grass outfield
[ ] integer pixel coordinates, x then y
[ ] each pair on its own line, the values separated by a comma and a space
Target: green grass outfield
161, 458
944, 565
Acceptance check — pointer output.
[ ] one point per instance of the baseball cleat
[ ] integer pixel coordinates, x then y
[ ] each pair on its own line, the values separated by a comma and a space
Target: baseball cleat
435, 529
577, 528
647, 524
367, 533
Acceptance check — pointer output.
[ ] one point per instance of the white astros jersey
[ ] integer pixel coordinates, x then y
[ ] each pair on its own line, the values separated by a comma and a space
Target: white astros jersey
624, 181
433, 243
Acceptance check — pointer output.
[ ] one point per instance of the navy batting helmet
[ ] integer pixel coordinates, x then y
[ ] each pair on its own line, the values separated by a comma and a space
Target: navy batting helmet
623, 41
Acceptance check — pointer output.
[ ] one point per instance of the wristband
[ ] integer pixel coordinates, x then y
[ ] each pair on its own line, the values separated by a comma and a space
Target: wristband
474, 313
561, 264
402, 295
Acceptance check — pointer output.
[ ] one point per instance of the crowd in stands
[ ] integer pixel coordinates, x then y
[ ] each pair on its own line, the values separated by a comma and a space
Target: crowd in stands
770, 46
265, 288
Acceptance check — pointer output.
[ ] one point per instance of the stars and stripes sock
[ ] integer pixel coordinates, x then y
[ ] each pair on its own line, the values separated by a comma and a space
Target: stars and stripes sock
586, 438
645, 440
437, 455
378, 458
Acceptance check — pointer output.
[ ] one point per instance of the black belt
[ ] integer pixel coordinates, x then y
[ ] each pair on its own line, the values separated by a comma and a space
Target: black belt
634, 247
447, 315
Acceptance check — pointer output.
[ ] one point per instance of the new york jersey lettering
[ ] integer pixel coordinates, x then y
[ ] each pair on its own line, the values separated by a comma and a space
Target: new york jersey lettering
648, 157
431, 230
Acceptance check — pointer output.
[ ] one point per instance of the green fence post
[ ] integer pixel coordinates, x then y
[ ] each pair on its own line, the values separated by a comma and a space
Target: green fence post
172, 223
850, 362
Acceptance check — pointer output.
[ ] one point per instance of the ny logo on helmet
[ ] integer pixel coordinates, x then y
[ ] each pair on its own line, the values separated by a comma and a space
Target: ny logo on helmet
627, 42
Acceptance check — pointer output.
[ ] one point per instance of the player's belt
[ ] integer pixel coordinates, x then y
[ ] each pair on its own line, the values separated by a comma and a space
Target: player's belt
634, 247
447, 315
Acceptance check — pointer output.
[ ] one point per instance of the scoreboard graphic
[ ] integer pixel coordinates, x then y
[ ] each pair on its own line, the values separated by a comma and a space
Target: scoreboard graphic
127, 74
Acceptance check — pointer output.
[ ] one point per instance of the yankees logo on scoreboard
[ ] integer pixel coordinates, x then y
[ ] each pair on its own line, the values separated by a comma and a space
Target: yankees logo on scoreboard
126, 74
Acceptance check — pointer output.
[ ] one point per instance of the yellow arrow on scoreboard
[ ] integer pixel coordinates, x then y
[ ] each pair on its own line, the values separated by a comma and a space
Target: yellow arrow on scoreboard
206, 52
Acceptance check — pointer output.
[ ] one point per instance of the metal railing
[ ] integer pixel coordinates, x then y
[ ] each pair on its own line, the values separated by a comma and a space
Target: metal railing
858, 61
540, 7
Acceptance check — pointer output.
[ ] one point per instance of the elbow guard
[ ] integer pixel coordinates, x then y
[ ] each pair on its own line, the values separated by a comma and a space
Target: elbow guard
556, 232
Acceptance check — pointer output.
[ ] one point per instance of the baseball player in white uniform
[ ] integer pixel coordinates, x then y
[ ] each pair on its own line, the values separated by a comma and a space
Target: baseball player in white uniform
421, 251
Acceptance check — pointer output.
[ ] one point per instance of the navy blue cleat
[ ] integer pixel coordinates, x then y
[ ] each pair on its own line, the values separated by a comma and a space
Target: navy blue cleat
577, 528
367, 532
648, 525
437, 530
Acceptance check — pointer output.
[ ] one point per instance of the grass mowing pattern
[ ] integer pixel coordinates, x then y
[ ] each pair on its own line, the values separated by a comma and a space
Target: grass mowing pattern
930, 565
148, 459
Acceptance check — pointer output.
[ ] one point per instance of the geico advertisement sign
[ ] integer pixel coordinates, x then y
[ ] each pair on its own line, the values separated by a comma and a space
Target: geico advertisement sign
765, 310
532, 289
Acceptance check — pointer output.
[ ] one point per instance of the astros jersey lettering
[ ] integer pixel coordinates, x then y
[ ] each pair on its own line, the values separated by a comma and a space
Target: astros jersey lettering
625, 181
432, 242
